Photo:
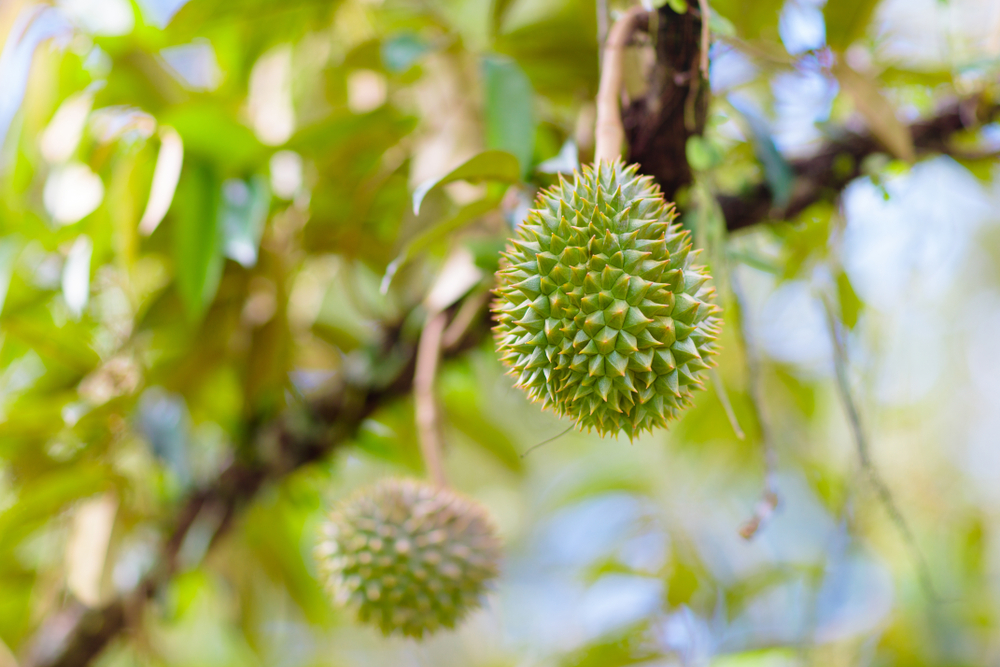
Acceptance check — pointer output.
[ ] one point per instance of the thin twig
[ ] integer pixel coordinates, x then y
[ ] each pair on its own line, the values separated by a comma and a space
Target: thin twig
467, 315
706, 15
547, 441
428, 423
609, 136
769, 500
840, 364
727, 405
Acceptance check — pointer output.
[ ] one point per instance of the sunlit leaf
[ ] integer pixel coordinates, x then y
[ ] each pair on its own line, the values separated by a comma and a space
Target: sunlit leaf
9, 248
701, 153
422, 241
850, 304
87, 548
846, 21
491, 165
720, 25
753, 20
197, 238
777, 171
460, 398
509, 110
211, 133
47, 495
165, 176
878, 113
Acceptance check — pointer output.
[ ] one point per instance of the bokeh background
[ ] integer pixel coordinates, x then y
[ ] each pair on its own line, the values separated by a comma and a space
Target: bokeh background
206, 219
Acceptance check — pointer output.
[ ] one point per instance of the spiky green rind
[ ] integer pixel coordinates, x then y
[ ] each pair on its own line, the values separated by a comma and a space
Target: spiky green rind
601, 312
408, 557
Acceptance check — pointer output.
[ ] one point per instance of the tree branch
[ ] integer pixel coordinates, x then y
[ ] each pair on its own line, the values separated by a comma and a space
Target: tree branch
828, 171
675, 107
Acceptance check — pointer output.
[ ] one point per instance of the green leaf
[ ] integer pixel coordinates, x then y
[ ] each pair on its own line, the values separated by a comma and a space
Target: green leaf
487, 166
421, 241
10, 247
508, 110
753, 20
806, 241
777, 171
460, 390
46, 495
850, 304
878, 113
212, 133
757, 658
720, 25
197, 239
555, 43
702, 154
846, 21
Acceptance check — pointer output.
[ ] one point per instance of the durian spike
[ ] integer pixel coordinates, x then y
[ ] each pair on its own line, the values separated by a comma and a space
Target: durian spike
620, 329
408, 556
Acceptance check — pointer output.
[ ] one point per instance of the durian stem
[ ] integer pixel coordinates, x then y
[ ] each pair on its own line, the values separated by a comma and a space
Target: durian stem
609, 135
467, 315
428, 423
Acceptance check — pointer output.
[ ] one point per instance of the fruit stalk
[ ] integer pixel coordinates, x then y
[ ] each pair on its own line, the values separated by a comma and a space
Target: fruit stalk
428, 425
609, 136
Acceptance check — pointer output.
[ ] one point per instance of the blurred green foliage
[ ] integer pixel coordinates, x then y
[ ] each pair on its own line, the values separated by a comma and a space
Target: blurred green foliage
208, 219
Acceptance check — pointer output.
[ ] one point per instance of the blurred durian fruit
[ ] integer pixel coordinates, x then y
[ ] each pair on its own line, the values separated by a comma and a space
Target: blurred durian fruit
408, 556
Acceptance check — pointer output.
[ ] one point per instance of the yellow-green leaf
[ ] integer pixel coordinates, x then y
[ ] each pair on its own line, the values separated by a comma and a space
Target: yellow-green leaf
878, 113
846, 21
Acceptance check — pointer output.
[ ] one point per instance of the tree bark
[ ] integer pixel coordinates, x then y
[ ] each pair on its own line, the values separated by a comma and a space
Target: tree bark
658, 125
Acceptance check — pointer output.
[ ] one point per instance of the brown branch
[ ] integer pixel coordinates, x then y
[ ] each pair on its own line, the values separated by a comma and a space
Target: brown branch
73, 637
675, 106
823, 175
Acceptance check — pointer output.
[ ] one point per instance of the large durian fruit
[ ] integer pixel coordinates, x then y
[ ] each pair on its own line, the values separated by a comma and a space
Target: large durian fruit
602, 313
408, 556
